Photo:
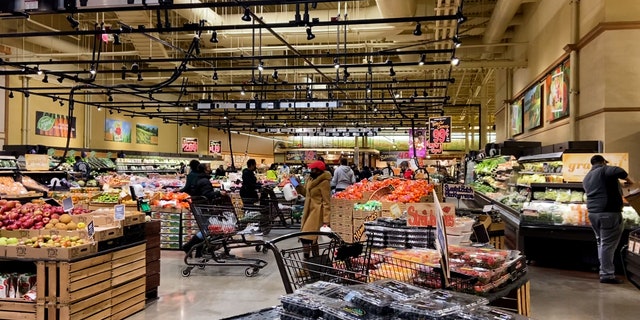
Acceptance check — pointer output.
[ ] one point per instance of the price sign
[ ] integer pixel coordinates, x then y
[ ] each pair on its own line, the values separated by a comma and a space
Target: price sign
215, 148
36, 162
440, 129
458, 191
423, 214
67, 204
91, 230
189, 144
118, 213
395, 211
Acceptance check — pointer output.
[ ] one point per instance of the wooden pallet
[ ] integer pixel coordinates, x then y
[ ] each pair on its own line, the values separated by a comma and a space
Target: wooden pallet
19, 309
69, 282
497, 242
128, 264
128, 298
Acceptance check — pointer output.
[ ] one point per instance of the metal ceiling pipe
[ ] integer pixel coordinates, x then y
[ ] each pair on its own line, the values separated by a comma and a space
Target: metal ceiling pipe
501, 17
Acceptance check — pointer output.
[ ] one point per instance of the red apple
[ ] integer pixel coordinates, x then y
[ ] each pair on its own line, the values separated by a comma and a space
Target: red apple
55, 216
13, 215
1, 223
38, 225
46, 220
27, 224
37, 217
46, 213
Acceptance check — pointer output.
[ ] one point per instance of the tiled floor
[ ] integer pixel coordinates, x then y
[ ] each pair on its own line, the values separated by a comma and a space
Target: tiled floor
218, 292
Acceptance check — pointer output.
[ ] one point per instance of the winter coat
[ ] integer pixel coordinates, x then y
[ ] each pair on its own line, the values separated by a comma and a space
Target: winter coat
343, 177
192, 177
317, 204
203, 187
249, 185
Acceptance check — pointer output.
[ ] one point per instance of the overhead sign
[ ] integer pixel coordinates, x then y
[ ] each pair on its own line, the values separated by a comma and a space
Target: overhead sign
423, 214
458, 191
189, 144
575, 166
215, 148
440, 129
36, 162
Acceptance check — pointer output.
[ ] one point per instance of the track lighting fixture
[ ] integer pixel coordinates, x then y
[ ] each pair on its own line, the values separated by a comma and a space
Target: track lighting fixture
423, 58
261, 66
368, 87
247, 15
455, 61
460, 17
392, 73
54, 98
116, 39
275, 74
135, 67
193, 127
418, 30
424, 93
186, 108
46, 78
456, 41
27, 94
397, 95
124, 73
310, 35
61, 103
110, 98
242, 92
158, 109
10, 94
110, 111
336, 63
415, 93
60, 79
215, 75
99, 109
38, 71
346, 74
92, 70
214, 37
140, 77
118, 110
73, 22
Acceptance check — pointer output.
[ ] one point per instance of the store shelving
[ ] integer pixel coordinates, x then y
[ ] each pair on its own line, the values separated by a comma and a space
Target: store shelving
148, 165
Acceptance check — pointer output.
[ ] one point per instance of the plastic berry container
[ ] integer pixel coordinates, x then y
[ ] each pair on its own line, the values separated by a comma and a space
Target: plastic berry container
304, 305
399, 290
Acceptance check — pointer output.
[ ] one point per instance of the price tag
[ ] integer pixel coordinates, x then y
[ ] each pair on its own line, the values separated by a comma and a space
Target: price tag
67, 204
487, 208
395, 211
118, 213
90, 229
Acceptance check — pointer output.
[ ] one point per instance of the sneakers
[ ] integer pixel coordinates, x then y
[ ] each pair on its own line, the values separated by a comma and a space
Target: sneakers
611, 281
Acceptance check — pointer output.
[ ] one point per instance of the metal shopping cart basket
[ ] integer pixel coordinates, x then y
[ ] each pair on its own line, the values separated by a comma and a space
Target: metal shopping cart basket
345, 263
219, 226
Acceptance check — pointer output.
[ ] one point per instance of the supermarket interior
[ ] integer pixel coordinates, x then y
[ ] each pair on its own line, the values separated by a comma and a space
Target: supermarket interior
299, 159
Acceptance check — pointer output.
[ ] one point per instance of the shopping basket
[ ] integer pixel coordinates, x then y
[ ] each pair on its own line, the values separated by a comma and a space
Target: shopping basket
219, 226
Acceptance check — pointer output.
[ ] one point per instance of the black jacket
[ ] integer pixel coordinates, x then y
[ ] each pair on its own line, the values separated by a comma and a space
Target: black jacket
249, 185
203, 187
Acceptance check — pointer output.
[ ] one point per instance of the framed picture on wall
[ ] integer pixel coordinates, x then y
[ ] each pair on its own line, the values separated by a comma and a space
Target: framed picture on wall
516, 117
117, 130
556, 93
146, 134
533, 107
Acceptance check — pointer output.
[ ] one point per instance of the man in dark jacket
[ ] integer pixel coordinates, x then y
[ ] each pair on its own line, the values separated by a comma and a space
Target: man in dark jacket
191, 177
203, 187
249, 181
604, 204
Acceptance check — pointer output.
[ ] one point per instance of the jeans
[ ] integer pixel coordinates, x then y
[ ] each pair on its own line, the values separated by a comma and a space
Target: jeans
608, 228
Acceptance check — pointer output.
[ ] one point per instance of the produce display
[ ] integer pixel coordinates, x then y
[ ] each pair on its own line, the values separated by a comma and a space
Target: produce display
11, 187
371, 205
20, 286
384, 299
29, 183
402, 190
107, 198
45, 241
174, 200
14, 216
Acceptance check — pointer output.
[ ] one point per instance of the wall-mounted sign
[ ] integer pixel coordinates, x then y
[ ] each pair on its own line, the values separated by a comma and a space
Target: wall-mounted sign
54, 125
189, 144
516, 118
533, 107
556, 93
417, 140
146, 134
440, 129
576, 165
215, 148
117, 130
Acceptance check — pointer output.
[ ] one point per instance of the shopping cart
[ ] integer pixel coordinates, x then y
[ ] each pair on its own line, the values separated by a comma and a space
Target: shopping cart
345, 263
219, 226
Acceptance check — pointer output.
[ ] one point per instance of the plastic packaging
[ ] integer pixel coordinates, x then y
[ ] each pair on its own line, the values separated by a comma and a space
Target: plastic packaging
488, 313
305, 305
342, 310
463, 300
422, 308
399, 290
370, 298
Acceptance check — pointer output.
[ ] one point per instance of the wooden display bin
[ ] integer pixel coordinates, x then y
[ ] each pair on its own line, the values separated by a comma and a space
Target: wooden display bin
152, 234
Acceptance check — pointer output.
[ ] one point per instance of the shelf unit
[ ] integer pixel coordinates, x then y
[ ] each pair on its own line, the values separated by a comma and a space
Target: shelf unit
148, 165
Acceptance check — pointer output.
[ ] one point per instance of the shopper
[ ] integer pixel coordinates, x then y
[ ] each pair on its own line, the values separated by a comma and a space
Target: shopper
343, 176
365, 173
192, 176
604, 204
249, 182
81, 168
284, 170
202, 186
405, 171
272, 173
220, 171
317, 205
182, 168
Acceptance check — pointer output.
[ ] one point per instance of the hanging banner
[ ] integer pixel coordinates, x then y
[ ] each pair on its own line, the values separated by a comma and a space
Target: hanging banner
189, 144
556, 93
215, 148
54, 125
440, 129
417, 145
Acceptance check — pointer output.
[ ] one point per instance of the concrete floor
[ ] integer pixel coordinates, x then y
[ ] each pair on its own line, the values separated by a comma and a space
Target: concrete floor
218, 292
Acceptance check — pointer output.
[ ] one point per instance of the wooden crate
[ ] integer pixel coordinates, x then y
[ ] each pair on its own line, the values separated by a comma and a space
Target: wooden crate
68, 282
95, 307
133, 217
128, 264
128, 298
497, 242
19, 309
518, 300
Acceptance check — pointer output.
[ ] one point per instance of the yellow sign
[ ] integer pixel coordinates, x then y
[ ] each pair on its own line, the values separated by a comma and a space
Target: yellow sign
36, 162
576, 165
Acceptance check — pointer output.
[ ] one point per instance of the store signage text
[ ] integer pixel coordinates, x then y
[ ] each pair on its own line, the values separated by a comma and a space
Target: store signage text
575, 166
440, 129
423, 214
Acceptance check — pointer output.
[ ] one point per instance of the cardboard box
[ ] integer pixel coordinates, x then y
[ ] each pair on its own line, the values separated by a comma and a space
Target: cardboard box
82, 234
84, 218
133, 217
53, 253
107, 233
20, 233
